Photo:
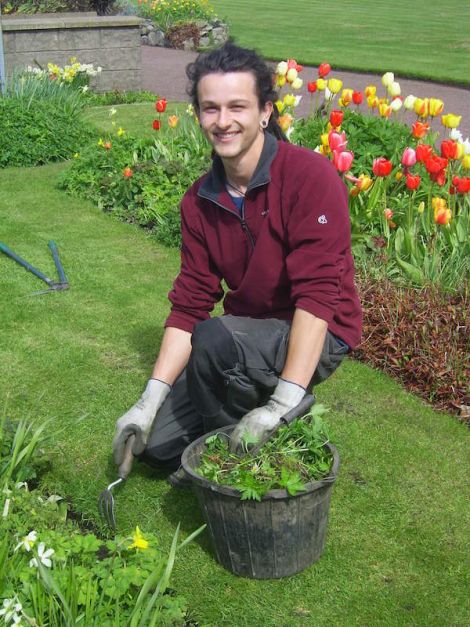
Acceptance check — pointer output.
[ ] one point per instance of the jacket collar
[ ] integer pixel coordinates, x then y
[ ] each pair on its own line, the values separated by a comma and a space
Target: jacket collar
213, 185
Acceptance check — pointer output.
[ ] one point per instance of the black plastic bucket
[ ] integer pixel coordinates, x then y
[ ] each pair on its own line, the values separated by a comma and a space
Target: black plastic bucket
275, 537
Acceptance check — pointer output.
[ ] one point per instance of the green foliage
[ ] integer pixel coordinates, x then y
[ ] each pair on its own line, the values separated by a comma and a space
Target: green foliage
171, 12
56, 6
295, 456
158, 174
94, 99
51, 573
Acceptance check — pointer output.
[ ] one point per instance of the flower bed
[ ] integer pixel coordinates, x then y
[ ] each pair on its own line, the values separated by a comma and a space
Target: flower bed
53, 573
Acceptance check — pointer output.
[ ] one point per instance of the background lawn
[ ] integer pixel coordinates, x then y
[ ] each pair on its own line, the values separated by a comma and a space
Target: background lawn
398, 545
416, 39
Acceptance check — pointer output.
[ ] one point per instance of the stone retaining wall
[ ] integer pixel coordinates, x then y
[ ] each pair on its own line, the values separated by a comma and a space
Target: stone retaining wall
111, 42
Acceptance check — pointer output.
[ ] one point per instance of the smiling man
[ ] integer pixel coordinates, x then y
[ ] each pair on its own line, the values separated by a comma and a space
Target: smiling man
271, 220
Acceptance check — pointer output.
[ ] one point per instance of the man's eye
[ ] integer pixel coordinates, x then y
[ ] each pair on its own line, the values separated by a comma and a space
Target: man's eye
238, 108
209, 109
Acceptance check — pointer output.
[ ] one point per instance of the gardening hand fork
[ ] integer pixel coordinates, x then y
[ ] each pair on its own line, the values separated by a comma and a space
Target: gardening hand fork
106, 498
62, 284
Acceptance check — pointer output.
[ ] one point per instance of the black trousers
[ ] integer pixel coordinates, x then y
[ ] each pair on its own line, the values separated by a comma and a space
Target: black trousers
234, 367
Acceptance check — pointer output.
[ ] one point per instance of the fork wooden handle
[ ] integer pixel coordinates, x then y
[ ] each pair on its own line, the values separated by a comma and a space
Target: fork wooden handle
126, 464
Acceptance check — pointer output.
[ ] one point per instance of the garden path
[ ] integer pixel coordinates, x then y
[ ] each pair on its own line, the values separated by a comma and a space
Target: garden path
163, 72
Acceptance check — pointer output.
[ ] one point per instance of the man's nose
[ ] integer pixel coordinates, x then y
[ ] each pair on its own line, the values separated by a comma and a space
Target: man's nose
223, 120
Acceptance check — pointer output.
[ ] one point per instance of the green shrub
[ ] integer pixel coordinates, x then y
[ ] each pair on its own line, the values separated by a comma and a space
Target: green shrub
171, 12
39, 131
56, 6
94, 99
141, 180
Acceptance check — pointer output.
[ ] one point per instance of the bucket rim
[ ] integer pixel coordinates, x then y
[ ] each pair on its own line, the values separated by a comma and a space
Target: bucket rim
204, 483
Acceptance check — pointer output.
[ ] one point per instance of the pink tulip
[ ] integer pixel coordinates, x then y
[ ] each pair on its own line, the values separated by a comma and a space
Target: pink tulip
337, 141
409, 157
343, 160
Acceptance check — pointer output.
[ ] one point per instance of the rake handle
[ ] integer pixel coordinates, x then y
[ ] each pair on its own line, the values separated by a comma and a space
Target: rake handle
126, 465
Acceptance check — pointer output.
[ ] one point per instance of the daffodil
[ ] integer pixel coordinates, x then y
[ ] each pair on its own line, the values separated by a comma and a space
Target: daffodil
121, 132
28, 541
43, 557
139, 542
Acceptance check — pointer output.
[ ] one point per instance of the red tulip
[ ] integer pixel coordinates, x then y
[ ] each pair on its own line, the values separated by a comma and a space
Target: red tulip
412, 182
312, 87
438, 177
337, 141
160, 105
336, 118
423, 152
449, 149
127, 172
381, 166
409, 157
435, 164
343, 160
291, 64
299, 67
419, 129
324, 69
357, 97
156, 125
460, 185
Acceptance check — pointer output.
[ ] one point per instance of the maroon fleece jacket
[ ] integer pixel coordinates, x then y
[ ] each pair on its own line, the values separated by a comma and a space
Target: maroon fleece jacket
291, 247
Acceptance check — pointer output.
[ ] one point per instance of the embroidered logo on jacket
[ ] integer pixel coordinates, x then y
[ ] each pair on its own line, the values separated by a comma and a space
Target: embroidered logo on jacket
322, 219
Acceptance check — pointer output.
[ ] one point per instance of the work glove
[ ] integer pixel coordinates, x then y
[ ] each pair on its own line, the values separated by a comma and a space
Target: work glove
259, 421
139, 419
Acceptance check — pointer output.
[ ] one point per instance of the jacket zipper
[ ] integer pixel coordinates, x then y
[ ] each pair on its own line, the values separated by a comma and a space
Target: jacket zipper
243, 223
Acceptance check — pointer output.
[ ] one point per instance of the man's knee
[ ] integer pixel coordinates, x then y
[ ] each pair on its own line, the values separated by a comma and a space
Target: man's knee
212, 346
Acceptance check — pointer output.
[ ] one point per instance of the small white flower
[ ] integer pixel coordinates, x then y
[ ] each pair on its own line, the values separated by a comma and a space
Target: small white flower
85, 88
456, 135
112, 111
21, 484
297, 101
466, 146
43, 556
54, 498
10, 611
28, 541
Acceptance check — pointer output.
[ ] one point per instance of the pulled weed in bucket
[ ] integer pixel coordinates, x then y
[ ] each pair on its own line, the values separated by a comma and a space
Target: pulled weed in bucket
295, 456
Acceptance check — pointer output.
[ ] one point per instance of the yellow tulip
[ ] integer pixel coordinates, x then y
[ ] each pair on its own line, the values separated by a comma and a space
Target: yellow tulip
451, 120
384, 109
285, 121
334, 85
394, 89
421, 207
421, 107
321, 84
297, 83
460, 150
281, 81
438, 203
387, 79
291, 74
173, 121
372, 102
289, 100
399, 176
280, 105
466, 162
435, 106
324, 139
365, 182
370, 91
346, 96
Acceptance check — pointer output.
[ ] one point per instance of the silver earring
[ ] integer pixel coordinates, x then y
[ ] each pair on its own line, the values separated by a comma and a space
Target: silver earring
264, 123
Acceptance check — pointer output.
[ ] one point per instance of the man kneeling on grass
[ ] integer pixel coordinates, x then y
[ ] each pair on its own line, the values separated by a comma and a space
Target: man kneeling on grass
271, 220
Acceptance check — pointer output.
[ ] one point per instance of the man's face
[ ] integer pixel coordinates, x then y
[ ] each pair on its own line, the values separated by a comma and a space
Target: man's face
229, 113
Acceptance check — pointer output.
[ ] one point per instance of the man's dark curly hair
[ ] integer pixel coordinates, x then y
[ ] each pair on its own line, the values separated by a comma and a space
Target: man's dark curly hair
232, 58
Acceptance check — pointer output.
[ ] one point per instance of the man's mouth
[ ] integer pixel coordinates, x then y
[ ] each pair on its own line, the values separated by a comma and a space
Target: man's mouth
226, 136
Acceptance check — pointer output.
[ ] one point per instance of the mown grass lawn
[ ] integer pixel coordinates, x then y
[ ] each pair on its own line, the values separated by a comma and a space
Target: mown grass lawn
398, 545
415, 39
